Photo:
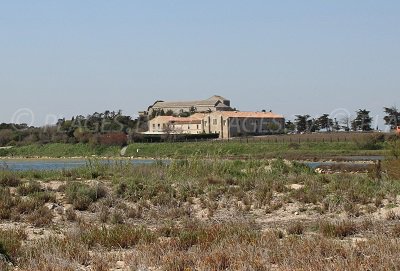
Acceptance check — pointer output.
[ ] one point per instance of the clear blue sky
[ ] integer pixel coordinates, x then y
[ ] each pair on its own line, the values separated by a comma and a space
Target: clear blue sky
64, 58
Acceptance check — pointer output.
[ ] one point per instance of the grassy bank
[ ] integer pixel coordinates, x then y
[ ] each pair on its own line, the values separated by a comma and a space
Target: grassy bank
57, 150
249, 149
223, 149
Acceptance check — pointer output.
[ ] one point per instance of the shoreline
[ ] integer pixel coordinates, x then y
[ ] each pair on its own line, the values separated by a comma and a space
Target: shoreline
346, 158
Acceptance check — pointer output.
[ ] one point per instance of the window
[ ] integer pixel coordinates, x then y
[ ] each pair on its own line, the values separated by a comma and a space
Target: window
159, 126
224, 122
197, 127
188, 127
154, 126
214, 121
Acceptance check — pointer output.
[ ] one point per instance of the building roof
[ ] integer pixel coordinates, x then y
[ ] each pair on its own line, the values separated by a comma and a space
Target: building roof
199, 116
217, 98
222, 106
211, 102
182, 120
239, 114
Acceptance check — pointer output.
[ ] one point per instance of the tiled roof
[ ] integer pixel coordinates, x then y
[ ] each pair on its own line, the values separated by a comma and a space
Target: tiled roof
188, 120
198, 116
239, 114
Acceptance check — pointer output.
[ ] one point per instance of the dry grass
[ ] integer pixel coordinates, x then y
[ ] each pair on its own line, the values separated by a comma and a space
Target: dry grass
203, 215
296, 228
338, 229
41, 217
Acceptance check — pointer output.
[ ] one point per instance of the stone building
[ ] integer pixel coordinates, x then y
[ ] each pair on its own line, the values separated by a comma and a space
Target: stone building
212, 104
175, 125
227, 124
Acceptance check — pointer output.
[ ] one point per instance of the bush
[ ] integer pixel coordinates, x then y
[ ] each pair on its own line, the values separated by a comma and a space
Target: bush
296, 228
10, 243
44, 196
29, 188
7, 202
339, 229
9, 179
26, 206
117, 217
41, 217
119, 236
82, 195
70, 215
372, 142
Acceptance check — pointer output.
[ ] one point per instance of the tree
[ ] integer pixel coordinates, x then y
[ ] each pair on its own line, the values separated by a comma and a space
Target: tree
392, 117
362, 121
313, 125
325, 122
6, 136
336, 126
290, 126
192, 110
346, 121
301, 123
169, 112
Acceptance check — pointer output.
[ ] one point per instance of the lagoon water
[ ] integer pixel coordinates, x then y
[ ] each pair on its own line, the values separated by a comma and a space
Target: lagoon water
60, 164
20, 165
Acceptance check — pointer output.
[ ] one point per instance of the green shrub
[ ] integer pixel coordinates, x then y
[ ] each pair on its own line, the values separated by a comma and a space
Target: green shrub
119, 236
372, 142
29, 188
8, 178
44, 196
82, 195
27, 206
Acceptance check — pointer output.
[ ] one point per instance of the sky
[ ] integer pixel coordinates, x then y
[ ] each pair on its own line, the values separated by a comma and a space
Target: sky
65, 58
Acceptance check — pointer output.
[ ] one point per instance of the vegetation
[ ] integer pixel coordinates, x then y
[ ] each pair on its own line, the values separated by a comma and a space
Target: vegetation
363, 121
108, 128
198, 214
312, 146
204, 214
61, 150
392, 117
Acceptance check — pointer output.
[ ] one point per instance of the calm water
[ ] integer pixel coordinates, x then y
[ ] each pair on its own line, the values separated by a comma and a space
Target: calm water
19, 165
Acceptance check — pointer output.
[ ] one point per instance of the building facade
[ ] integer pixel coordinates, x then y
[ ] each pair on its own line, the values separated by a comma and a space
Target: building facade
227, 124
175, 125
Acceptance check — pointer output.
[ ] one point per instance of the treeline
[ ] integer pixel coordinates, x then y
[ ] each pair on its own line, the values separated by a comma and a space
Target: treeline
115, 128
107, 128
361, 122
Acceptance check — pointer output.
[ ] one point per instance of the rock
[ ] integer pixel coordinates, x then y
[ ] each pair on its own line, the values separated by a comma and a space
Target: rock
120, 264
296, 186
51, 206
319, 170
38, 232
3, 258
59, 210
